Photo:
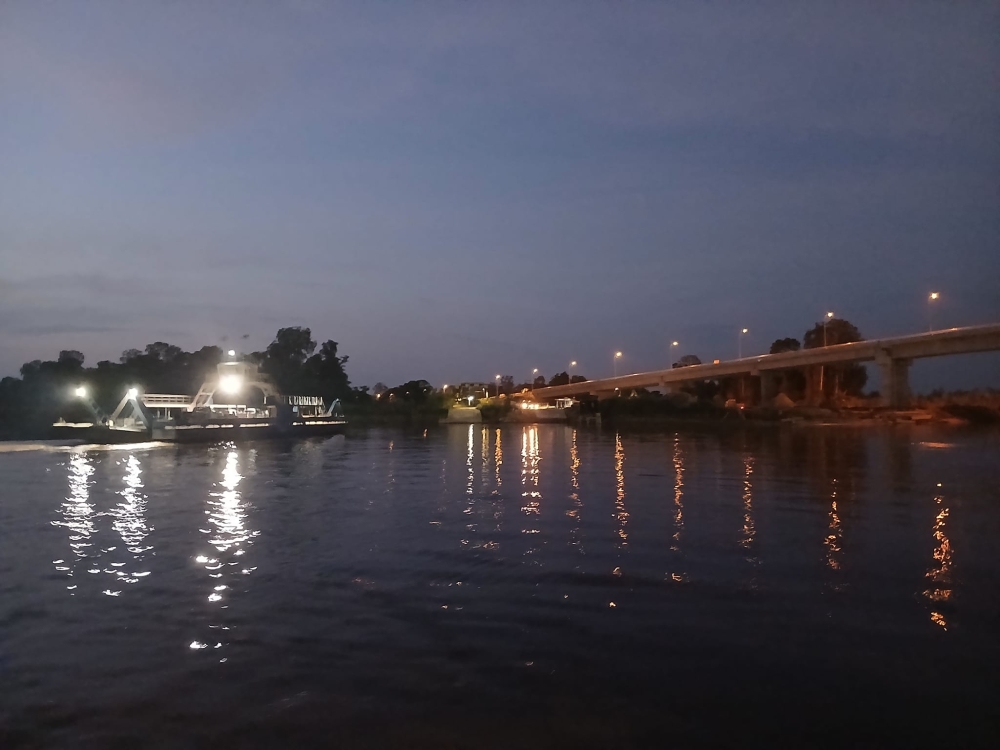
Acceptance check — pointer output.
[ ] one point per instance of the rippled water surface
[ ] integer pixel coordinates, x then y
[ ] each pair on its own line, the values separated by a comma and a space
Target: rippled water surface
514, 587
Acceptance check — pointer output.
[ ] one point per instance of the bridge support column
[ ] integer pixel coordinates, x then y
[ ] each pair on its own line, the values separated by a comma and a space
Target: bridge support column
894, 377
768, 387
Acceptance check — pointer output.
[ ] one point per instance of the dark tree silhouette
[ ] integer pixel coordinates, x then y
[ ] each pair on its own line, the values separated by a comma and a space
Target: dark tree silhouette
686, 361
785, 345
850, 379
835, 331
560, 378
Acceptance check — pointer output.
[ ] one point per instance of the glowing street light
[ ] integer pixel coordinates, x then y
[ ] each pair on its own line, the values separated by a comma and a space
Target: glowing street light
618, 355
932, 297
232, 352
534, 373
80, 391
670, 351
133, 392
827, 319
497, 378
739, 342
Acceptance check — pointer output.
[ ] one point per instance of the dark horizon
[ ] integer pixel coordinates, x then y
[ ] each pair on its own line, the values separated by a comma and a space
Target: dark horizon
456, 191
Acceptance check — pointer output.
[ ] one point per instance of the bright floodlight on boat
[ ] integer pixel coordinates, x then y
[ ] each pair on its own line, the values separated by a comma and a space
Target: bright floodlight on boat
80, 392
133, 392
231, 383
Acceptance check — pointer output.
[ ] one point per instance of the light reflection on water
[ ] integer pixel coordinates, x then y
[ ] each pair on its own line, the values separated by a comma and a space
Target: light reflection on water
231, 538
78, 516
576, 503
685, 507
531, 495
749, 529
940, 573
832, 540
621, 513
678, 509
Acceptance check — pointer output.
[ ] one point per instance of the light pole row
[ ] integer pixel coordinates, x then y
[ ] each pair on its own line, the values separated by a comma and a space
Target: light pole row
931, 298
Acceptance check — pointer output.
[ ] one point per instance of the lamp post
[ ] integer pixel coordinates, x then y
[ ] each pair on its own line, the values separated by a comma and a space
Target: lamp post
570, 373
533, 374
822, 368
670, 351
931, 298
497, 378
618, 355
739, 342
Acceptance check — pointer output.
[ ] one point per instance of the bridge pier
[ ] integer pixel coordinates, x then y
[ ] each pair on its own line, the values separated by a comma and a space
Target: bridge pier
813, 394
894, 380
768, 387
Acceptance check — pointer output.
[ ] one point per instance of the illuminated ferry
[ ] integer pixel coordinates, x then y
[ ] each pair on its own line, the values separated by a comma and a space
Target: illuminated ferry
222, 410
533, 412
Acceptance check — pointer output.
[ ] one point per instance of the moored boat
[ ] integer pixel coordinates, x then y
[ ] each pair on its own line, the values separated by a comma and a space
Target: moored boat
238, 403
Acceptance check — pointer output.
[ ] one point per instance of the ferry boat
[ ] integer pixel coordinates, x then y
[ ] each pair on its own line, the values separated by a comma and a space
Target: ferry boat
220, 411
532, 412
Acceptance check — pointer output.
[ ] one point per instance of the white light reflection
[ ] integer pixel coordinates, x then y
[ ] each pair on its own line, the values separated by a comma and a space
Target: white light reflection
530, 494
130, 519
229, 536
940, 572
78, 514
225, 512
227, 516
468, 460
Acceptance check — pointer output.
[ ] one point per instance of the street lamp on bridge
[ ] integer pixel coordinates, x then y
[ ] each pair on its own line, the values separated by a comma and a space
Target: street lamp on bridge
739, 342
670, 351
931, 298
822, 368
497, 378
618, 355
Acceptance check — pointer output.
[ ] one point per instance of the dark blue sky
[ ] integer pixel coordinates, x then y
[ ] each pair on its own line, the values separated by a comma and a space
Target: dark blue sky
452, 190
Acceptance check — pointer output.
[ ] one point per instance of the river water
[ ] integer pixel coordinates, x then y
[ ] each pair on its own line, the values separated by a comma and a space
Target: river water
471, 586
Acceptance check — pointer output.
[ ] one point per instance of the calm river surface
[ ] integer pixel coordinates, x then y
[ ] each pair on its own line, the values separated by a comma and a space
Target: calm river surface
514, 587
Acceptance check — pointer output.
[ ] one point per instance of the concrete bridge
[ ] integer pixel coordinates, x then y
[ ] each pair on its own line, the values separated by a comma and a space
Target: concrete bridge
892, 355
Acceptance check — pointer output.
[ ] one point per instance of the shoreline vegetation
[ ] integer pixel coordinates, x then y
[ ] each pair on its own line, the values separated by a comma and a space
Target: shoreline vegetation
961, 408
30, 404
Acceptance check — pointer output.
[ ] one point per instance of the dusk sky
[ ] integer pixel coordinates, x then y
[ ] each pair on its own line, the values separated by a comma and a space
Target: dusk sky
454, 190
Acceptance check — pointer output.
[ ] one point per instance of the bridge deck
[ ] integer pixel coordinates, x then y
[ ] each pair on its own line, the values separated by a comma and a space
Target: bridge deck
932, 344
